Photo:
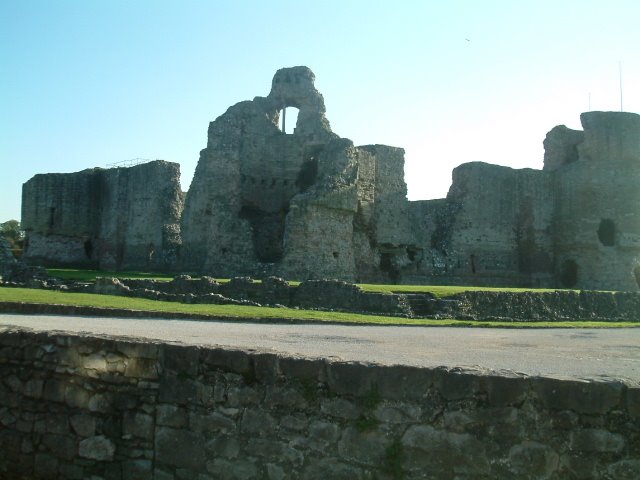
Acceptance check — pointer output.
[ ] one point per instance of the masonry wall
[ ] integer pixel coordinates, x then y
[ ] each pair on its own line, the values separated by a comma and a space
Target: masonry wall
76, 407
107, 218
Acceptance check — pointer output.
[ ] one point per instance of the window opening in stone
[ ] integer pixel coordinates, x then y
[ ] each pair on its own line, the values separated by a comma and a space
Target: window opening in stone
336, 254
636, 273
569, 274
288, 119
607, 232
472, 262
52, 216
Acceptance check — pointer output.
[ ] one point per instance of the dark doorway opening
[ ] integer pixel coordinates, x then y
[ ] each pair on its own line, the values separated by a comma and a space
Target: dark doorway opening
267, 230
88, 248
569, 274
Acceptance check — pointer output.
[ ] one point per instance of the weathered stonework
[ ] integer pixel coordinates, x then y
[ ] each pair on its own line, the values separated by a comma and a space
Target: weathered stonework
311, 205
74, 407
113, 218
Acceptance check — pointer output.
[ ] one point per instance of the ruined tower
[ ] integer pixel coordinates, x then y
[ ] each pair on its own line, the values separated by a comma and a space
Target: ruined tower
306, 204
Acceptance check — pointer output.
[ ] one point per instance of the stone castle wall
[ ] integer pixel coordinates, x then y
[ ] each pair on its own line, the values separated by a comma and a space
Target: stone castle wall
82, 407
107, 218
311, 205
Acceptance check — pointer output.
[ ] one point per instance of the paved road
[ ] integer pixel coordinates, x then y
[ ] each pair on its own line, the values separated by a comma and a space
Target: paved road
583, 353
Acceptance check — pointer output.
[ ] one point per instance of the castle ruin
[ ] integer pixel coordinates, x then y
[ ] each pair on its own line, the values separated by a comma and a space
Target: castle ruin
310, 204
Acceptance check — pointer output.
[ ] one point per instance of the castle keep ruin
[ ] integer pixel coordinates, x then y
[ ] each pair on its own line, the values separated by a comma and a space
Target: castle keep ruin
310, 204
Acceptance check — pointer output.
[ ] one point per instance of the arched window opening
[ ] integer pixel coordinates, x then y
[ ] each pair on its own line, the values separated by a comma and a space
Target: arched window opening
288, 119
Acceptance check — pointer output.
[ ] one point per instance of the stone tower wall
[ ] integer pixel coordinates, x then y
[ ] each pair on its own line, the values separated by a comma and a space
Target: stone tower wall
114, 218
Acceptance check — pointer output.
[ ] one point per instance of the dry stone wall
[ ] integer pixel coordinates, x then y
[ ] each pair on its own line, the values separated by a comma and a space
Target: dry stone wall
83, 407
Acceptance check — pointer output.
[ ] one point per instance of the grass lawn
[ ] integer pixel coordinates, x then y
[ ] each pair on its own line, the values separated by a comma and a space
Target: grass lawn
239, 312
90, 275
445, 291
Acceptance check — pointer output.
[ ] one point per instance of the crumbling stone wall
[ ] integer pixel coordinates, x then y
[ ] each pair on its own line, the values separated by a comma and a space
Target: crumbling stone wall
108, 218
302, 205
83, 407
576, 224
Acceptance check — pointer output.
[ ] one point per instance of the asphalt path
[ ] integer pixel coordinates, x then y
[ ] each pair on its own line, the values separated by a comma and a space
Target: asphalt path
573, 353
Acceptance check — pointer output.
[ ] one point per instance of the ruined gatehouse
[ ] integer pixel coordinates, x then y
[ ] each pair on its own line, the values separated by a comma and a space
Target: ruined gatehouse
310, 204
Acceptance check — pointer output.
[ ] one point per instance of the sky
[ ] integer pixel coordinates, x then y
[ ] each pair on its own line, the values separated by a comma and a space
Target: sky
86, 84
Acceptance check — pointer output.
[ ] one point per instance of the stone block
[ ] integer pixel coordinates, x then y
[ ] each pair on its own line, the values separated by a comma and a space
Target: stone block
147, 368
237, 396
400, 382
171, 416
596, 440
54, 390
397, 413
225, 446
235, 361
456, 384
266, 367
633, 401
324, 431
57, 423
224, 469
101, 403
137, 350
303, 369
138, 425
83, 425
366, 448
589, 397
625, 469
211, 422
63, 447
340, 408
76, 396
532, 459
177, 390
182, 360
45, 466
33, 388
351, 378
180, 448
331, 468
503, 390
437, 452
278, 396
98, 448
257, 422
137, 470
273, 449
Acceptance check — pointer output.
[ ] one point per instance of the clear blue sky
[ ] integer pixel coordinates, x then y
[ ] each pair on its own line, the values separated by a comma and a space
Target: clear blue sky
88, 83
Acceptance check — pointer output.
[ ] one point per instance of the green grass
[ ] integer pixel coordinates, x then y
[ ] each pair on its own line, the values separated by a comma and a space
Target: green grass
90, 275
240, 312
444, 290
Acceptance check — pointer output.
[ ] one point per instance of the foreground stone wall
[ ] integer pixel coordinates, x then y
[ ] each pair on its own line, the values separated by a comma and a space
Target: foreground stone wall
77, 407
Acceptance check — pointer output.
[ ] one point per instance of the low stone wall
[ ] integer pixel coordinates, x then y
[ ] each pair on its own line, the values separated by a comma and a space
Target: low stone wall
78, 407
